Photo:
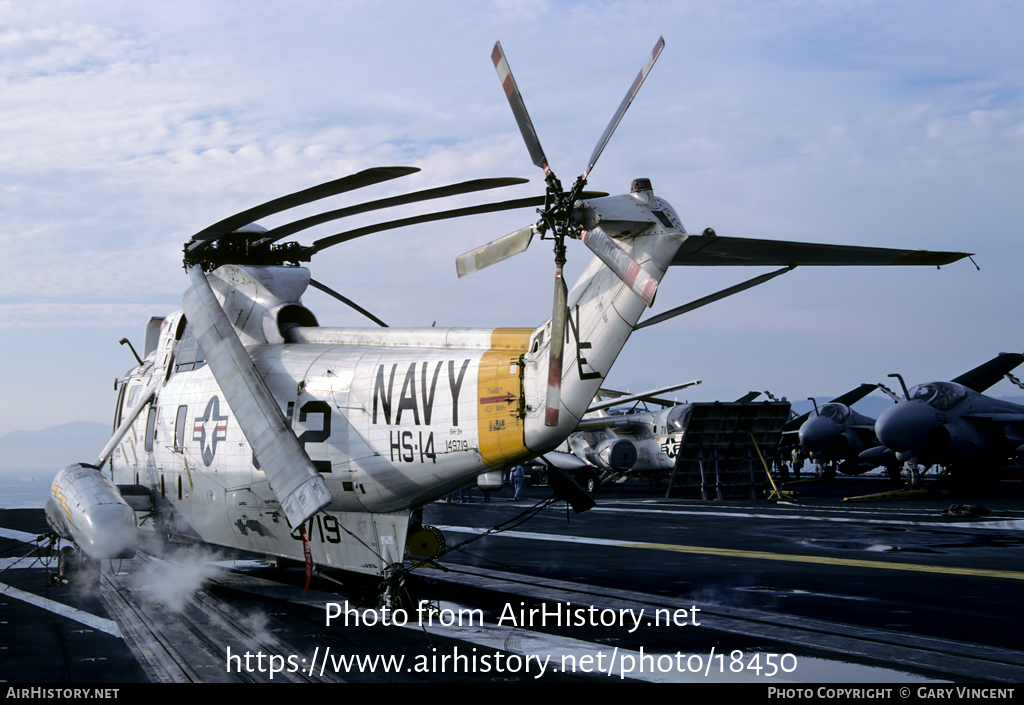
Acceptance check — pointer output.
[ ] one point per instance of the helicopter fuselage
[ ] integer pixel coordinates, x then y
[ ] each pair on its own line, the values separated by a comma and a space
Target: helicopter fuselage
388, 428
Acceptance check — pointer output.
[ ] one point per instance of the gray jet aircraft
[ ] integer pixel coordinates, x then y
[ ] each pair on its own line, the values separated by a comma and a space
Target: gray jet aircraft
836, 435
952, 424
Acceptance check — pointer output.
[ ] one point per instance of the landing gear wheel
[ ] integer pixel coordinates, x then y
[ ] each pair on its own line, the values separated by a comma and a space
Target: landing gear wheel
894, 473
540, 478
828, 473
592, 484
392, 588
89, 571
67, 564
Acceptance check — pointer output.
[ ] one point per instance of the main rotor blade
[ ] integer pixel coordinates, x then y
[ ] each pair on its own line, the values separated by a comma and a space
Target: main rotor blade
630, 94
515, 99
622, 265
367, 177
301, 490
348, 302
558, 313
283, 231
495, 251
324, 243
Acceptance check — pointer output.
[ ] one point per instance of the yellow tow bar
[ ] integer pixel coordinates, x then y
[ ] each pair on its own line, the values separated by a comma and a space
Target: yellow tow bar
884, 496
776, 492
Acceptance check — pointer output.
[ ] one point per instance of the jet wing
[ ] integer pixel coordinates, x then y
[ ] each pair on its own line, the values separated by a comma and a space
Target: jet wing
626, 424
998, 417
564, 461
718, 251
985, 375
854, 395
621, 398
848, 399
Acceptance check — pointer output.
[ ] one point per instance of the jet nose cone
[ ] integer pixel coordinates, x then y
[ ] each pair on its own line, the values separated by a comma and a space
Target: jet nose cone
817, 434
905, 427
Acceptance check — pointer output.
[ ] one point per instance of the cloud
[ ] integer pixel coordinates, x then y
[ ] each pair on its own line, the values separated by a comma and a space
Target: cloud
128, 127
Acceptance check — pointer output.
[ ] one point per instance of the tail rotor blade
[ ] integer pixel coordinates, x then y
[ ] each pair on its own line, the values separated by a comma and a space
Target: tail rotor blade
515, 99
630, 94
558, 313
495, 251
625, 267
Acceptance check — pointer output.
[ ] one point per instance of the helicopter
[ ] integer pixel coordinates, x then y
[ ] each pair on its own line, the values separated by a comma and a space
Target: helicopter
248, 425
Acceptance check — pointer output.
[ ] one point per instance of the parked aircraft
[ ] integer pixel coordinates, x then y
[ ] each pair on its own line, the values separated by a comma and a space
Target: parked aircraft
250, 426
620, 440
834, 435
953, 425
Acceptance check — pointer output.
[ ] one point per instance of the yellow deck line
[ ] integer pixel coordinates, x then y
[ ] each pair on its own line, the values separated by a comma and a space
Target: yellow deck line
756, 555
824, 560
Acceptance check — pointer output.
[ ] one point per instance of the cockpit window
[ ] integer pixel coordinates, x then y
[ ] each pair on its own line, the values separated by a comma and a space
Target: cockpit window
940, 395
189, 355
836, 412
677, 419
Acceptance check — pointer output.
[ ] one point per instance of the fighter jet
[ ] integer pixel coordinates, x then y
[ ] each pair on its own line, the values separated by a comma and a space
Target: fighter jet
953, 425
835, 435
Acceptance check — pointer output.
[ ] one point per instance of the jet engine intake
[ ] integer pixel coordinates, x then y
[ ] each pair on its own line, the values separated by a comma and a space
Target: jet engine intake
618, 454
952, 442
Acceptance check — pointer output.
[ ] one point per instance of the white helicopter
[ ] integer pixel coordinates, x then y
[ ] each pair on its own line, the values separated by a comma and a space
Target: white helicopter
248, 425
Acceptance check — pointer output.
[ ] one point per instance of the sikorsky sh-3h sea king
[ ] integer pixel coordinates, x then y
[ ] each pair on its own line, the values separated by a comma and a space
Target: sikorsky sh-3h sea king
249, 425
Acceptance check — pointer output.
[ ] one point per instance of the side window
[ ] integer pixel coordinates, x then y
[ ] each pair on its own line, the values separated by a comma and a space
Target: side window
180, 422
150, 428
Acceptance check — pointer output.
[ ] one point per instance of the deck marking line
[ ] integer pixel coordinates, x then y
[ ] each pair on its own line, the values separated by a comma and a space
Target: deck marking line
23, 563
826, 560
17, 535
761, 555
90, 620
999, 524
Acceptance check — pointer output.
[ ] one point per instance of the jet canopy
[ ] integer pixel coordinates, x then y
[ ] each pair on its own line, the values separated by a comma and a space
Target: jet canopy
836, 412
677, 418
940, 395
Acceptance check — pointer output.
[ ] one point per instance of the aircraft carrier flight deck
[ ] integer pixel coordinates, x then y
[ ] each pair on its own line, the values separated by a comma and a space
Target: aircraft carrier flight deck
641, 588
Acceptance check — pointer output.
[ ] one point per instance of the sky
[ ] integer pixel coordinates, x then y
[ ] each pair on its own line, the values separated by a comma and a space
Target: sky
126, 127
